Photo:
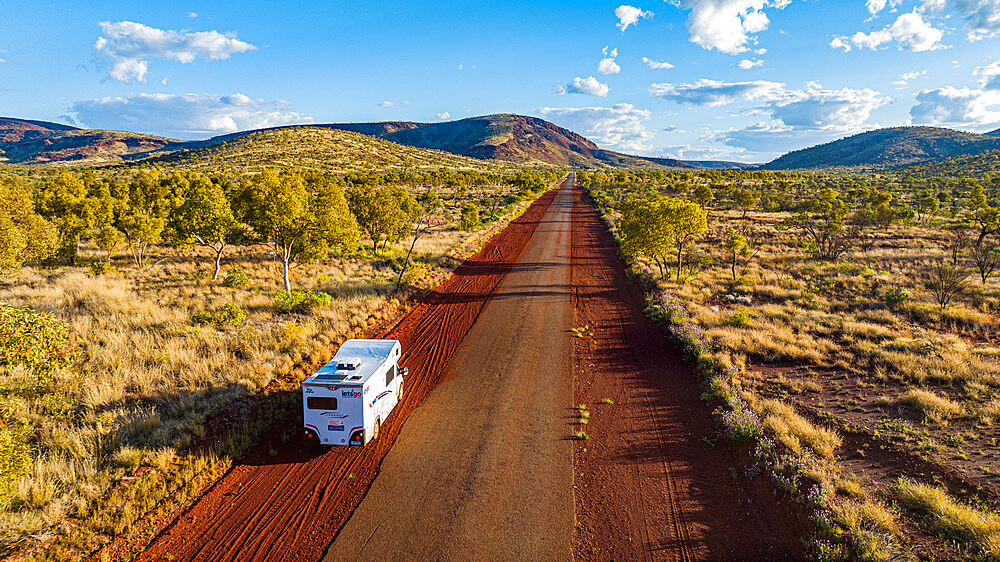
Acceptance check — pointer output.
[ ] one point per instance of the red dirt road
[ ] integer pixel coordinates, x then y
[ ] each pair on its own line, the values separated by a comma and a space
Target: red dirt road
289, 506
648, 484
483, 470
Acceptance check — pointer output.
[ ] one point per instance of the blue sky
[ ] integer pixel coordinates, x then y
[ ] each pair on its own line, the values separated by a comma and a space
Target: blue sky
723, 79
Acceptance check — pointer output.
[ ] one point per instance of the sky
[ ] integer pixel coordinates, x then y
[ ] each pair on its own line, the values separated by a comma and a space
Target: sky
743, 80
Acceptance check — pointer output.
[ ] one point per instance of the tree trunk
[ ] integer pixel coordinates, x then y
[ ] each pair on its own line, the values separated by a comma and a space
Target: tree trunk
218, 263
285, 258
680, 260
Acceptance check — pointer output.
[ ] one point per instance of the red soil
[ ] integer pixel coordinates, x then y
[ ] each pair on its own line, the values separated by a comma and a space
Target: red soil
653, 480
291, 505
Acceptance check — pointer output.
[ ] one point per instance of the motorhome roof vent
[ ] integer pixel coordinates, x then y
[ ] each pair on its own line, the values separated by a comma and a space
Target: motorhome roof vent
348, 363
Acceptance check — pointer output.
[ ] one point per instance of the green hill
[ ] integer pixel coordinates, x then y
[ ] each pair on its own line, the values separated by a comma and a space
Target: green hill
887, 148
318, 148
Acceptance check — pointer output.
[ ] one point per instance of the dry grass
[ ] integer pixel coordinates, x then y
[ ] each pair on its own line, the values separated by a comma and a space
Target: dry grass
980, 529
934, 407
794, 431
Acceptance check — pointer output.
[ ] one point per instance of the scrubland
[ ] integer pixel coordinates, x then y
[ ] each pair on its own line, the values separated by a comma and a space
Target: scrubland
864, 397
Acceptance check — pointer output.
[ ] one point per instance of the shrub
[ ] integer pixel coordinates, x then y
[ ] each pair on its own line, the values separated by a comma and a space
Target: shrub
236, 277
895, 296
470, 217
741, 318
230, 314
36, 340
300, 302
201, 318
201, 273
101, 267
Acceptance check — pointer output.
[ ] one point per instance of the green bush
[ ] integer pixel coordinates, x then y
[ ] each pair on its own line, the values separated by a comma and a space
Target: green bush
470, 217
36, 340
100, 267
300, 302
201, 273
895, 296
230, 314
741, 318
236, 277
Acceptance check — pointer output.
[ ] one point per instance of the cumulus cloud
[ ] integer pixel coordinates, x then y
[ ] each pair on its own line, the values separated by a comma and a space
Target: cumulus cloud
910, 31
727, 25
443, 116
961, 107
814, 107
989, 76
589, 86
183, 116
715, 92
608, 64
127, 47
619, 126
629, 15
747, 64
982, 17
388, 103
656, 65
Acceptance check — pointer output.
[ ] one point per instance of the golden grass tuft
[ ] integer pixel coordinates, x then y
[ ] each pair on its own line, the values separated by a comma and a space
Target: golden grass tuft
934, 407
793, 430
978, 528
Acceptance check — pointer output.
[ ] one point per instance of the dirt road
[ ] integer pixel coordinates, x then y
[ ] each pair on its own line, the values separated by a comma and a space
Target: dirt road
653, 482
289, 506
483, 469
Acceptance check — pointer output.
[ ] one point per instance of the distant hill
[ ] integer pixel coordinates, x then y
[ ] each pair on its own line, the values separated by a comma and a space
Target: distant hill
500, 138
24, 141
507, 137
318, 148
888, 148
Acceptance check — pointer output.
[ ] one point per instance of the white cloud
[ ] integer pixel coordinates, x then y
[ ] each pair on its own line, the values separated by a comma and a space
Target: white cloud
714, 92
876, 6
910, 30
814, 107
962, 107
388, 103
192, 14
982, 17
443, 116
620, 126
2, 60
990, 76
905, 78
747, 64
608, 64
727, 25
629, 15
673, 129
656, 65
184, 116
590, 86
128, 47
841, 43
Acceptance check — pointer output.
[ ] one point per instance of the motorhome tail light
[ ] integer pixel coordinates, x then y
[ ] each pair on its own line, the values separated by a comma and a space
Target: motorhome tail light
358, 437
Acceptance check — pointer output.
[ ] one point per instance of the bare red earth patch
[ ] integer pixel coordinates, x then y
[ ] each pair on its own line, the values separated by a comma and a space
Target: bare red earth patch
653, 480
289, 506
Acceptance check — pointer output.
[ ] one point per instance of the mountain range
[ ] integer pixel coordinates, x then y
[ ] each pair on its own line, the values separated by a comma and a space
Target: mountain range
498, 138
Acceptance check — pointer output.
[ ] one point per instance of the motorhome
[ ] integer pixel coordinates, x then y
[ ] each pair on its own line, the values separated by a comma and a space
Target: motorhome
347, 400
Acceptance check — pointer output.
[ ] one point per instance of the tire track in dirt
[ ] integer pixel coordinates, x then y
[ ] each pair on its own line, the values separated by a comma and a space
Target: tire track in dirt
652, 481
288, 507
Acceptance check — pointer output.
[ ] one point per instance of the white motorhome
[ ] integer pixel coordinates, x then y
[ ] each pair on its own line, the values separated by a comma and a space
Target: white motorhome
348, 399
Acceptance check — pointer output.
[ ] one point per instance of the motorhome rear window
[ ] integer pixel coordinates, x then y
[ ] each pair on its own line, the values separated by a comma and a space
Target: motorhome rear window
321, 403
